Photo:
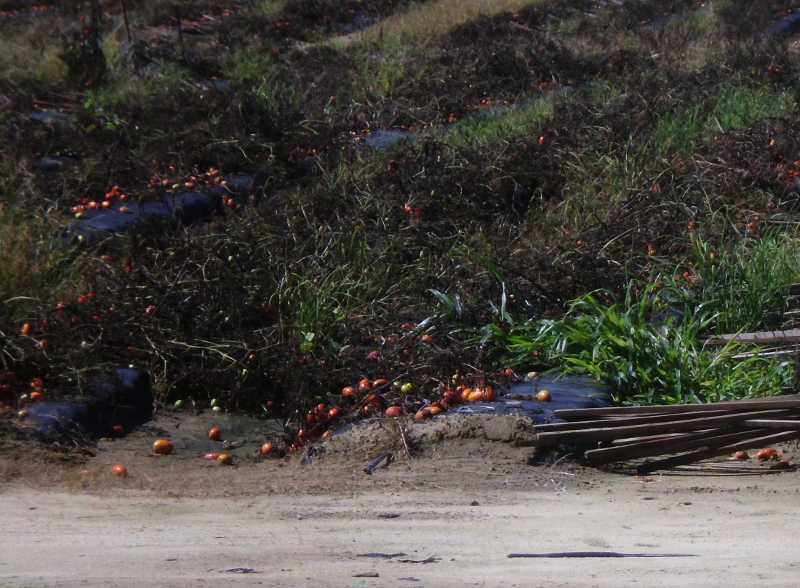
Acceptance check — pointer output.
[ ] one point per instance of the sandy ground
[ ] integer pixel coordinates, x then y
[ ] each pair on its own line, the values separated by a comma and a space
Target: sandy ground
461, 505
737, 532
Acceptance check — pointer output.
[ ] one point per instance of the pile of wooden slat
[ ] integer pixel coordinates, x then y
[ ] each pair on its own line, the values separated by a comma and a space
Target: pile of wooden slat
674, 434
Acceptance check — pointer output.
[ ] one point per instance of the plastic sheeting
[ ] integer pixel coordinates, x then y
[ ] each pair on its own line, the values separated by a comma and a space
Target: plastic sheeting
186, 208
122, 397
520, 398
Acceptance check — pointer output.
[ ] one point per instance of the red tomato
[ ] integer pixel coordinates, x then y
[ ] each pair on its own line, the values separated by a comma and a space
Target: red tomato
25, 330
215, 434
118, 430
543, 395
119, 470
225, 459
364, 385
266, 449
379, 382
765, 454
348, 391
426, 338
212, 456
36, 395
37, 383
334, 413
394, 411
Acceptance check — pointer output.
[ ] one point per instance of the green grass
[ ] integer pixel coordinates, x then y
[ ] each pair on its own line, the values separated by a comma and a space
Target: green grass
679, 131
739, 107
505, 124
619, 345
735, 107
743, 286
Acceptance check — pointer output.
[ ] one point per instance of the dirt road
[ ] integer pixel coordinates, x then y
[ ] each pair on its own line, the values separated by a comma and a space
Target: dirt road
738, 531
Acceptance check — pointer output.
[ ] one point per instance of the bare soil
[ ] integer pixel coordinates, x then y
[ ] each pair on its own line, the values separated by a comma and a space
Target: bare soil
461, 504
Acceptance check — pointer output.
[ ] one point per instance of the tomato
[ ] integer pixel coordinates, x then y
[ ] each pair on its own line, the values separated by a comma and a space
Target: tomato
212, 456
118, 430
348, 392
25, 330
543, 395
508, 373
334, 413
311, 418
364, 384
394, 411
436, 409
119, 470
475, 395
450, 396
422, 414
225, 459
36, 395
767, 453
37, 383
426, 338
162, 447
741, 455
407, 388
487, 393
266, 449
408, 326
379, 382
215, 434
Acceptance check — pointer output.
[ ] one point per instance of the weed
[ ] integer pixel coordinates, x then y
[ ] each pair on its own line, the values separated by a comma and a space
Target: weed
743, 286
505, 124
617, 344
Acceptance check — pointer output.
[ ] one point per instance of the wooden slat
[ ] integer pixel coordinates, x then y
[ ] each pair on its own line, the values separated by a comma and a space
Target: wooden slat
785, 401
784, 425
677, 426
758, 338
663, 447
687, 458
621, 422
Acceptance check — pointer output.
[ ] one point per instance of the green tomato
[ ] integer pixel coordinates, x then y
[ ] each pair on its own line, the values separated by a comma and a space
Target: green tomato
407, 388
178, 404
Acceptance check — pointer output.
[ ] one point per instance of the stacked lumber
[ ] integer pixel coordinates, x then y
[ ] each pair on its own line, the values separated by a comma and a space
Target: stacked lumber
674, 434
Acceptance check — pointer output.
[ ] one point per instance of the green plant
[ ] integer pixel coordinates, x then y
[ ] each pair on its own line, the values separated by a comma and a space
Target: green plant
744, 286
644, 363
503, 124
740, 106
678, 131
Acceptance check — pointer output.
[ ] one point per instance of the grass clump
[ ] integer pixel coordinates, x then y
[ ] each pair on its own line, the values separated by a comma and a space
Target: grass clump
621, 346
744, 287
735, 107
506, 124
426, 21
741, 106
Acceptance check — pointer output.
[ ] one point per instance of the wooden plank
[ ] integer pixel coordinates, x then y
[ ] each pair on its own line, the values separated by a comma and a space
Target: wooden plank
784, 425
661, 447
621, 422
687, 458
783, 401
758, 338
676, 426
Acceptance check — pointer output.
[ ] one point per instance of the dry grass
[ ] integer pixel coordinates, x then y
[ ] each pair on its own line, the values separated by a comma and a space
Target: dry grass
426, 22
23, 58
